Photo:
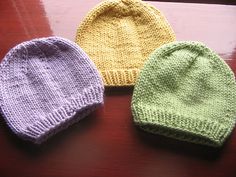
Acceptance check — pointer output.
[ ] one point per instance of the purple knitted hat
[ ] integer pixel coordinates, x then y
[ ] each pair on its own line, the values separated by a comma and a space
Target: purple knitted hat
44, 83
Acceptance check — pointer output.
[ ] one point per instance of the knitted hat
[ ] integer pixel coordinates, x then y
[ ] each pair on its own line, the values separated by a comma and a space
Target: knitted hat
118, 35
186, 91
44, 83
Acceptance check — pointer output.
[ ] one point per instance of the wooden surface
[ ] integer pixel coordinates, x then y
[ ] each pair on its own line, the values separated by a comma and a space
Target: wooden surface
106, 143
229, 2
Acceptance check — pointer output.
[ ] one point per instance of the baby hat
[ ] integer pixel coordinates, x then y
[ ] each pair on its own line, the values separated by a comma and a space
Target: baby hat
46, 84
186, 91
118, 35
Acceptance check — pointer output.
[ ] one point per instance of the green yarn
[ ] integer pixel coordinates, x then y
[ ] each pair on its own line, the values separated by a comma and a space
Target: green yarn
186, 91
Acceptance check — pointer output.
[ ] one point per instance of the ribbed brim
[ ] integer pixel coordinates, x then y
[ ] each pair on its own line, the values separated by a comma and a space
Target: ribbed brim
120, 77
73, 111
179, 127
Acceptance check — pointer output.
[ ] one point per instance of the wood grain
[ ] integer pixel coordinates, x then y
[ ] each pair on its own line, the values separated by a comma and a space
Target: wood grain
106, 143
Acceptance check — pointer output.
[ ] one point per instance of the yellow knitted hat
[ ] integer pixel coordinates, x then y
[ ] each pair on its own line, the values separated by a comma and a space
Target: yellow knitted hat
118, 35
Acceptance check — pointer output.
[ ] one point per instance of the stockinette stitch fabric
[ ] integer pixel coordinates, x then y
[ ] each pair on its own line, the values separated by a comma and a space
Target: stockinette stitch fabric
119, 35
47, 84
186, 91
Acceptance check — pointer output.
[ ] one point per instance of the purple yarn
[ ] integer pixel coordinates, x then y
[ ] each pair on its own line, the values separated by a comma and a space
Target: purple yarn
44, 83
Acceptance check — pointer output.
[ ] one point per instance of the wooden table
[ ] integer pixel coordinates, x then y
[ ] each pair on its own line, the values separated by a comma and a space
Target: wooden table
106, 143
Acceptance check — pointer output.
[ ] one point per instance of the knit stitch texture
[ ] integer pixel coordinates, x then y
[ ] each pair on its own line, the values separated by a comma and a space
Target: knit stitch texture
47, 84
118, 35
186, 91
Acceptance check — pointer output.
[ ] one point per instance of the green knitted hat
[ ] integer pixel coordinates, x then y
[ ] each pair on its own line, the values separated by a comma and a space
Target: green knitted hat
186, 91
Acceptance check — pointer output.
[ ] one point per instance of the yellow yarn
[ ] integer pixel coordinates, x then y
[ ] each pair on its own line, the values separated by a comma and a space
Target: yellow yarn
118, 35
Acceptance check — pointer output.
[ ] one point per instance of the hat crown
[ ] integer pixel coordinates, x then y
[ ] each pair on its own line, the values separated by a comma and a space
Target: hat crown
44, 83
119, 35
188, 92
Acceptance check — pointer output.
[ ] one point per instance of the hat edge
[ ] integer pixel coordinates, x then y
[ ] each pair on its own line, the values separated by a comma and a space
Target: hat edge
66, 115
181, 128
120, 77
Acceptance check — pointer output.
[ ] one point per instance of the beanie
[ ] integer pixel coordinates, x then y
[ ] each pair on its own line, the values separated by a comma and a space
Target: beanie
47, 84
186, 91
118, 35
